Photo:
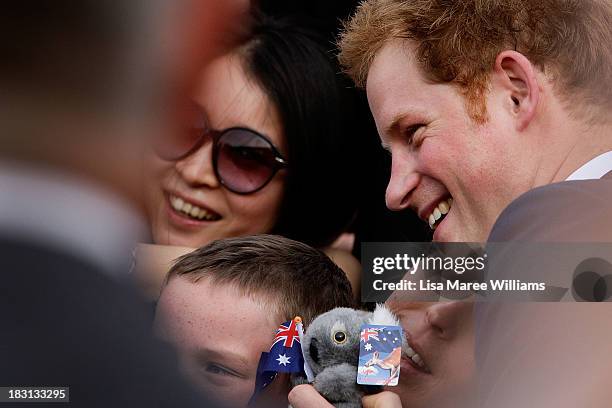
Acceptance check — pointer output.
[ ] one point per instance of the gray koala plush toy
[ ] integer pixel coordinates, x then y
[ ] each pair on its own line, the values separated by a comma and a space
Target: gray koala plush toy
331, 348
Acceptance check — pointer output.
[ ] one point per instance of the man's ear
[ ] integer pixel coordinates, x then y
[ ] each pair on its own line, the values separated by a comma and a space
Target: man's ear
517, 77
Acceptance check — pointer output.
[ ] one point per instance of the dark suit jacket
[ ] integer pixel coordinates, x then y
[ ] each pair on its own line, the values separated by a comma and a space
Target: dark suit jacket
574, 211
548, 354
63, 322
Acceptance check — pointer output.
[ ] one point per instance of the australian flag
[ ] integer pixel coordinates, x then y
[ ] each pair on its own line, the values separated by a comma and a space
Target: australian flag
379, 338
285, 356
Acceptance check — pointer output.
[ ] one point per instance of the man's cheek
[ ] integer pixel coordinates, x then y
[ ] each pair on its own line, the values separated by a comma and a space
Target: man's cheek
437, 163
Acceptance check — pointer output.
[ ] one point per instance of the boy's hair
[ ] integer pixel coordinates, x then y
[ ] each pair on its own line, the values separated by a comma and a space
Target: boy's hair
458, 41
294, 278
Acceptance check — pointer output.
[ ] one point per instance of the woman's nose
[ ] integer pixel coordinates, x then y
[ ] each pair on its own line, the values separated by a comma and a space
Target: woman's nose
197, 169
442, 317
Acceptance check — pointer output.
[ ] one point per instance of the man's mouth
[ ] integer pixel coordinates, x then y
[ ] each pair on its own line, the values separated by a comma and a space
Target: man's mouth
439, 212
191, 210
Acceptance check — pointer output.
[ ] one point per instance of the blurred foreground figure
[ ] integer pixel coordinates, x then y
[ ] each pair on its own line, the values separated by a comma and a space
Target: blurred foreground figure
85, 86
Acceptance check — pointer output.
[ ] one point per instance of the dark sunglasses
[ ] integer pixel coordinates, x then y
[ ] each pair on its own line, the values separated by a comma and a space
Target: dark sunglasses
244, 161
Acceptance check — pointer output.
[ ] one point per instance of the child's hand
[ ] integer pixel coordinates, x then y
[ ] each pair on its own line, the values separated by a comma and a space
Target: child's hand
305, 396
385, 399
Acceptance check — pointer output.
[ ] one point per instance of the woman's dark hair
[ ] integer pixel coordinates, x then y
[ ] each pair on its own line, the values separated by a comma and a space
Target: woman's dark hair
298, 73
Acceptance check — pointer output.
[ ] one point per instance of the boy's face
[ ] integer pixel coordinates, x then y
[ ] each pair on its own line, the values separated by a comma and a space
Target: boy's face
219, 334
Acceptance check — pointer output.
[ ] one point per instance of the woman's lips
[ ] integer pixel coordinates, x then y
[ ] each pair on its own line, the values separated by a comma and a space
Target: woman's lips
184, 213
409, 366
412, 359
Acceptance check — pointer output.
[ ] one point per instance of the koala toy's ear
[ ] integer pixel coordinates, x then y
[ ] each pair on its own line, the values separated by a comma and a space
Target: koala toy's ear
383, 316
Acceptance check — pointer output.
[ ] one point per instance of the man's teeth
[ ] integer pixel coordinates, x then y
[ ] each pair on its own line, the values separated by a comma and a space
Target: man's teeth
439, 212
191, 210
415, 357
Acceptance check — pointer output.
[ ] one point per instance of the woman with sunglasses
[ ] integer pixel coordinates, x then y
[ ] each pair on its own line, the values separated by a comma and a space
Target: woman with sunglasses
266, 149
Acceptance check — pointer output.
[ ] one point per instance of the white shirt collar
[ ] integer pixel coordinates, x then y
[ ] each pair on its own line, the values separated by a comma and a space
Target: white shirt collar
593, 169
65, 212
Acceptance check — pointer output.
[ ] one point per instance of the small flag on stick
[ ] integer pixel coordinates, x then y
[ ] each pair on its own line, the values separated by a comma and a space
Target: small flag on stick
285, 356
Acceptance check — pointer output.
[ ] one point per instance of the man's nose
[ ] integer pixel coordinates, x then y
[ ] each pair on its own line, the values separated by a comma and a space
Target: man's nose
197, 168
404, 179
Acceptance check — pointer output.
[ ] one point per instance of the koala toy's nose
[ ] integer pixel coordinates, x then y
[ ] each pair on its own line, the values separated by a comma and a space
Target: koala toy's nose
314, 351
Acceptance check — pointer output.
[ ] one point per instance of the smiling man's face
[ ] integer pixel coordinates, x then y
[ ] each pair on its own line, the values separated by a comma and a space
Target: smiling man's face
456, 174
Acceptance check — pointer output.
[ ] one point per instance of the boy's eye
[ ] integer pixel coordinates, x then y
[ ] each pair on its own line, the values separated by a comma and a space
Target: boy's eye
218, 370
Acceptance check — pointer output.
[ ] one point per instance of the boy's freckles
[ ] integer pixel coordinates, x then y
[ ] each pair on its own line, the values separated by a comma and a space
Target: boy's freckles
219, 333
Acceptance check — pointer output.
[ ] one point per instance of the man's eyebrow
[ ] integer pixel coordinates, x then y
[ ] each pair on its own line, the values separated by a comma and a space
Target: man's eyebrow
392, 129
394, 125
